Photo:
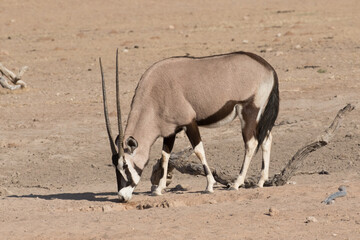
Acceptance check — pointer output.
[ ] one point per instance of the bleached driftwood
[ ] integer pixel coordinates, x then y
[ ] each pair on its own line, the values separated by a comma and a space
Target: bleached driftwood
15, 79
179, 161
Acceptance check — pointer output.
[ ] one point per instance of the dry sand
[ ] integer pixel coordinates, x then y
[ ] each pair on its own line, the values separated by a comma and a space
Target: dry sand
56, 178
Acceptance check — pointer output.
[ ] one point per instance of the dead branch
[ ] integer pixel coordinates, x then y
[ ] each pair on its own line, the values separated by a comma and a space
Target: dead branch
179, 161
15, 79
302, 153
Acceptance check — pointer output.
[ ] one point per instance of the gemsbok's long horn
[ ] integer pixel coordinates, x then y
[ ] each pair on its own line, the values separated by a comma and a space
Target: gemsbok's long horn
115, 154
121, 133
106, 114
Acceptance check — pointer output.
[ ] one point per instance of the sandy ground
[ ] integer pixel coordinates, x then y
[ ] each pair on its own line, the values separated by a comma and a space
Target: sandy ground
56, 178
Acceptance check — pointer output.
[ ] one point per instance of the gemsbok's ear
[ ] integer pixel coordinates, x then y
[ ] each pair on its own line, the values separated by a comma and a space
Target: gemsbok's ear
131, 143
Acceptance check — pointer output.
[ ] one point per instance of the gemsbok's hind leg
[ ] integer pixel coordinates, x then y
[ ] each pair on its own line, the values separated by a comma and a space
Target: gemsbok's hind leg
247, 115
192, 131
266, 148
168, 145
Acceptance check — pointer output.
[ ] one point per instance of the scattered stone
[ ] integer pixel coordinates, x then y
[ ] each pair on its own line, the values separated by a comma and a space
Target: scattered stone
126, 50
278, 35
273, 212
269, 49
278, 53
298, 46
171, 27
245, 41
144, 206
212, 201
107, 208
321, 71
324, 172
311, 219
349, 135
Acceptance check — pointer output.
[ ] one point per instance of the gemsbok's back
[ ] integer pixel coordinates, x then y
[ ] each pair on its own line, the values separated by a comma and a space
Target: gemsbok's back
183, 93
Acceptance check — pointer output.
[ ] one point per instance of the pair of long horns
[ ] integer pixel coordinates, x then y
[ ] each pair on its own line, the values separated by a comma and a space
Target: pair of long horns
108, 128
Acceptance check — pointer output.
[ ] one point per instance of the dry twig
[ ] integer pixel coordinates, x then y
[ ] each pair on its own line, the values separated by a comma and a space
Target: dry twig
15, 79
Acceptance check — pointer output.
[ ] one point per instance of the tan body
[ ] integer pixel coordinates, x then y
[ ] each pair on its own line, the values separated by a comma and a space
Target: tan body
184, 93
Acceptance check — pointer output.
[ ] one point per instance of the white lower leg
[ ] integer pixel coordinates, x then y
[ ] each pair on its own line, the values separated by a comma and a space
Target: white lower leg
200, 153
162, 182
266, 148
249, 152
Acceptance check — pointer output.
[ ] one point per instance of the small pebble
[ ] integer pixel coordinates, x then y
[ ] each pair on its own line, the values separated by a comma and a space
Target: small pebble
273, 212
106, 208
311, 219
171, 27
245, 41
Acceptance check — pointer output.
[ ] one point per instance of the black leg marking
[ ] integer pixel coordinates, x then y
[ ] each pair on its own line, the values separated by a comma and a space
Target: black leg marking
168, 145
193, 133
249, 114
206, 170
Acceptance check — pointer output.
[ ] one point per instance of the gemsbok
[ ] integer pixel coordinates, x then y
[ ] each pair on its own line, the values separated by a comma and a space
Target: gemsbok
183, 93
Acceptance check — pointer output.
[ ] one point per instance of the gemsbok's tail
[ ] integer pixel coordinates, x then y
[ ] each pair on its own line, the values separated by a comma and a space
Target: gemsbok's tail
267, 119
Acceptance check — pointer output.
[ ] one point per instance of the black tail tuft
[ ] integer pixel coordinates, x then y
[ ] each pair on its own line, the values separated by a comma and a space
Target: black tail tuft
267, 119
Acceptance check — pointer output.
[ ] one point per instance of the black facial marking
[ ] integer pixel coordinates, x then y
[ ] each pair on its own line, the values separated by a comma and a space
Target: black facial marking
115, 159
129, 177
137, 169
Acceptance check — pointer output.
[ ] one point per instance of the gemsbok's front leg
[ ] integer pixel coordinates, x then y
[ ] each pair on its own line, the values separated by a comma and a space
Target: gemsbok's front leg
192, 131
168, 145
266, 148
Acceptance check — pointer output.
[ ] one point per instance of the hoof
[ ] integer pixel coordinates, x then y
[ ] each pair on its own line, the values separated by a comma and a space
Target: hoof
209, 191
232, 188
153, 188
156, 191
